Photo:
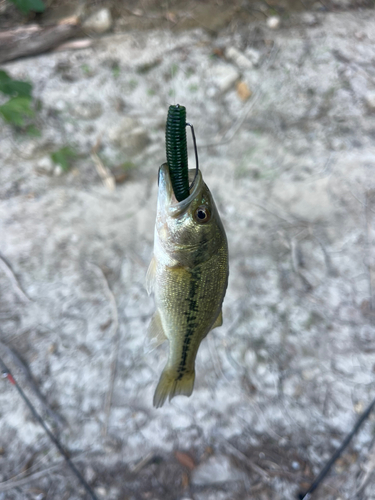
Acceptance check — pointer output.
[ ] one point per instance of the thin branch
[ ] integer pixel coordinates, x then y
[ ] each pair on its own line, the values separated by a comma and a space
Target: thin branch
10, 484
105, 175
6, 373
327, 467
30, 379
237, 453
116, 337
370, 267
8, 271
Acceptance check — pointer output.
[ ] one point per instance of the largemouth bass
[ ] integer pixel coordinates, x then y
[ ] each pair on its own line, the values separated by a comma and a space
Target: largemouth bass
188, 275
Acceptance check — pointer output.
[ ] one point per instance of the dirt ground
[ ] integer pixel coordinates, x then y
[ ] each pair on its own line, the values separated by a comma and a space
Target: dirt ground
284, 119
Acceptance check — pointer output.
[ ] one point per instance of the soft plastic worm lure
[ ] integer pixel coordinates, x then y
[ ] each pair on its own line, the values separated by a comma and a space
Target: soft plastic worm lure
177, 157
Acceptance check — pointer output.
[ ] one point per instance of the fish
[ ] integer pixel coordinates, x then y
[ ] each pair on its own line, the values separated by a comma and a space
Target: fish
188, 275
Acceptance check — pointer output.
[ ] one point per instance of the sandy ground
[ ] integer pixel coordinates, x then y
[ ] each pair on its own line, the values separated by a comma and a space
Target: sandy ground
283, 380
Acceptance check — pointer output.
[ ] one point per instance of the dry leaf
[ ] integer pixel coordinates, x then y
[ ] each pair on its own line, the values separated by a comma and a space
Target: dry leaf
185, 460
184, 481
243, 91
171, 17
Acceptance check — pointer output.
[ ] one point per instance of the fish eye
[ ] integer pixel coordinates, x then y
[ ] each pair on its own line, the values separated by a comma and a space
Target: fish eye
202, 214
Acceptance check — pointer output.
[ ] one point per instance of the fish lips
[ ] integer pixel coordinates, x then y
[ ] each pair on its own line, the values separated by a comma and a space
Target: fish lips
167, 201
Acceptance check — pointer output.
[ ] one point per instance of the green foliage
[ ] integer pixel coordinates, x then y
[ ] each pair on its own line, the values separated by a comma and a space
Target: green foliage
26, 6
116, 70
14, 87
64, 157
32, 131
128, 165
174, 70
19, 106
16, 109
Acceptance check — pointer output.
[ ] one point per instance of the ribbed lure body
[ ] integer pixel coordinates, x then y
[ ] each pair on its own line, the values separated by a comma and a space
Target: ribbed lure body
176, 147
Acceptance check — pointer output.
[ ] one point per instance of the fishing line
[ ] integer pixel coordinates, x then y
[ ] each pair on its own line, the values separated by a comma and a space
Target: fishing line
322, 474
6, 373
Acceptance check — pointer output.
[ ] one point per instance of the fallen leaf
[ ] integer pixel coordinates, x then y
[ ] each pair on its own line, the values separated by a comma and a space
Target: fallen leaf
243, 91
171, 17
218, 52
184, 481
185, 460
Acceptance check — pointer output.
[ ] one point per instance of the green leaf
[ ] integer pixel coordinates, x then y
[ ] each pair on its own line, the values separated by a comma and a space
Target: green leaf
16, 109
26, 6
12, 87
63, 157
32, 131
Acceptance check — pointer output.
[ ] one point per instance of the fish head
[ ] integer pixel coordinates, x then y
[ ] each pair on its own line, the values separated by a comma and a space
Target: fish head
189, 231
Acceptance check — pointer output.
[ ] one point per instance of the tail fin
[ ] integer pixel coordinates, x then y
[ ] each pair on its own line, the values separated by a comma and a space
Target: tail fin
172, 384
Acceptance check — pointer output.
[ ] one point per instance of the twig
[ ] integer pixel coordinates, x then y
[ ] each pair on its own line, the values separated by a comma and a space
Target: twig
241, 456
116, 338
8, 271
30, 379
290, 222
8, 375
327, 467
10, 484
27, 477
105, 175
370, 267
370, 468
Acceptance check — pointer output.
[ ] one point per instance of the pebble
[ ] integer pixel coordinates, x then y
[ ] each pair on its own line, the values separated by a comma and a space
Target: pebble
370, 100
45, 166
99, 22
253, 55
238, 58
217, 469
58, 171
90, 474
87, 110
309, 19
224, 77
129, 136
273, 22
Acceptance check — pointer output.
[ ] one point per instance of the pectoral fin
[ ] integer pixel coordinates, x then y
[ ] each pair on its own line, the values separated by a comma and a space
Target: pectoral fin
150, 276
219, 320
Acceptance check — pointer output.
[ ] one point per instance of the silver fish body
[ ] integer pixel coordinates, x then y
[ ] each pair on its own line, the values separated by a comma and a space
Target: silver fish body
188, 275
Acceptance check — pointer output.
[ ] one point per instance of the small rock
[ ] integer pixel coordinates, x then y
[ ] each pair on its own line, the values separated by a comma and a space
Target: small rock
238, 58
101, 491
99, 22
129, 136
58, 171
217, 469
309, 19
273, 22
253, 55
45, 166
87, 110
370, 100
90, 474
224, 76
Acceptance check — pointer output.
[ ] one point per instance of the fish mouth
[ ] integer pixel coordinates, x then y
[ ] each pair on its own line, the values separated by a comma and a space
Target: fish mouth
166, 198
